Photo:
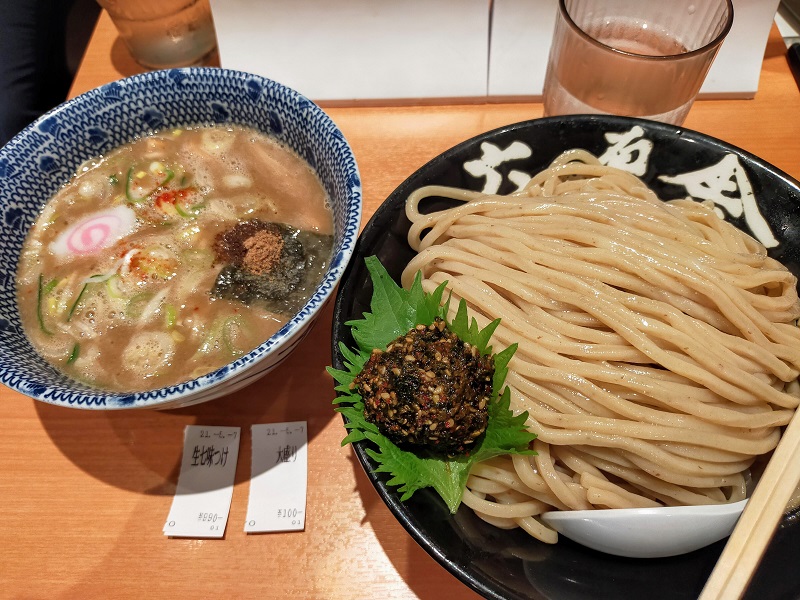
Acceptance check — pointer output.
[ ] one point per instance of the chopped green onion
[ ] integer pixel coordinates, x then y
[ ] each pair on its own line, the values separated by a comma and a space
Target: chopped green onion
221, 335
129, 194
112, 286
73, 356
135, 197
136, 304
77, 301
100, 277
113, 179
42, 291
198, 258
230, 327
50, 286
170, 315
182, 212
189, 212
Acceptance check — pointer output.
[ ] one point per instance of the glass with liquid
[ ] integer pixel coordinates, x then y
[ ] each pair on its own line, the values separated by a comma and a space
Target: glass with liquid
638, 58
163, 34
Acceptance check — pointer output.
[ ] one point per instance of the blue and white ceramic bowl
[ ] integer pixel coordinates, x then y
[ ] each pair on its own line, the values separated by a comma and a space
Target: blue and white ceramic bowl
41, 158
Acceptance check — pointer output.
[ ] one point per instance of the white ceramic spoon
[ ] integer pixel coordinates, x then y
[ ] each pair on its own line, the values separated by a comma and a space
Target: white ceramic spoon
647, 532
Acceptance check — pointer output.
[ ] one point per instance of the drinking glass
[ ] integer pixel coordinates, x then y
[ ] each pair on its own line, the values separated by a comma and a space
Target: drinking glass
162, 34
638, 58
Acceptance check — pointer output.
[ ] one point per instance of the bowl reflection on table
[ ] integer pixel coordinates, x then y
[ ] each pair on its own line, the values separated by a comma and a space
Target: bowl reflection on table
43, 157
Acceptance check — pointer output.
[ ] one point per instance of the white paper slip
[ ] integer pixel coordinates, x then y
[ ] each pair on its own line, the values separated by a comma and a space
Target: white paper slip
205, 484
359, 49
279, 478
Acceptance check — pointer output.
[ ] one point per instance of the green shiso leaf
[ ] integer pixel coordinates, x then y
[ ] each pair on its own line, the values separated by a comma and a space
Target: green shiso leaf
393, 312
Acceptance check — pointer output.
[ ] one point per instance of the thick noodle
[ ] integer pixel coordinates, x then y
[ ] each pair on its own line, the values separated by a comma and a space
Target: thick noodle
658, 348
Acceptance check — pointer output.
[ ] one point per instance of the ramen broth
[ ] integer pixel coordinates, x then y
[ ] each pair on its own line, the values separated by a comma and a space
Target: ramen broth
171, 256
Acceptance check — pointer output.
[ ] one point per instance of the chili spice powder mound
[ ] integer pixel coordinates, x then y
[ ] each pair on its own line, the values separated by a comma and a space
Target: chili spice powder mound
428, 389
254, 245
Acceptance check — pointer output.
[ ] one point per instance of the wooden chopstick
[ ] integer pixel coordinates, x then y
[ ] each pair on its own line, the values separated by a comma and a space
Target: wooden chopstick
754, 530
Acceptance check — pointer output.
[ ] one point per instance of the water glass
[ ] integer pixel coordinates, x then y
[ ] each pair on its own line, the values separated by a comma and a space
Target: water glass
638, 58
162, 34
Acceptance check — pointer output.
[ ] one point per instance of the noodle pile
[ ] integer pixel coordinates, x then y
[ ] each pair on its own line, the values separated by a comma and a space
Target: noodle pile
658, 351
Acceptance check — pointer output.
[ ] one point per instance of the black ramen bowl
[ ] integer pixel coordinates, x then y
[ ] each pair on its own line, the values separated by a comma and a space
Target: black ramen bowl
676, 163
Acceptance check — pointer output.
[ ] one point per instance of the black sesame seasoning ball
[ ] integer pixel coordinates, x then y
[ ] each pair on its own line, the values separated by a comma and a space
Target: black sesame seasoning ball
428, 389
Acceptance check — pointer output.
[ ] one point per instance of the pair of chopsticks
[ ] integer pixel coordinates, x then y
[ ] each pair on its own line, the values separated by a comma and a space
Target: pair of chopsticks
754, 530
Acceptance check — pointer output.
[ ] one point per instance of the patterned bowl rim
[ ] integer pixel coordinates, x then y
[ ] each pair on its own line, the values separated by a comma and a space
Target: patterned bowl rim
183, 392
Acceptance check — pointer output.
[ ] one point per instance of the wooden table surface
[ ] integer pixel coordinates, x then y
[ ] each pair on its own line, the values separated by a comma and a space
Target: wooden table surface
84, 495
